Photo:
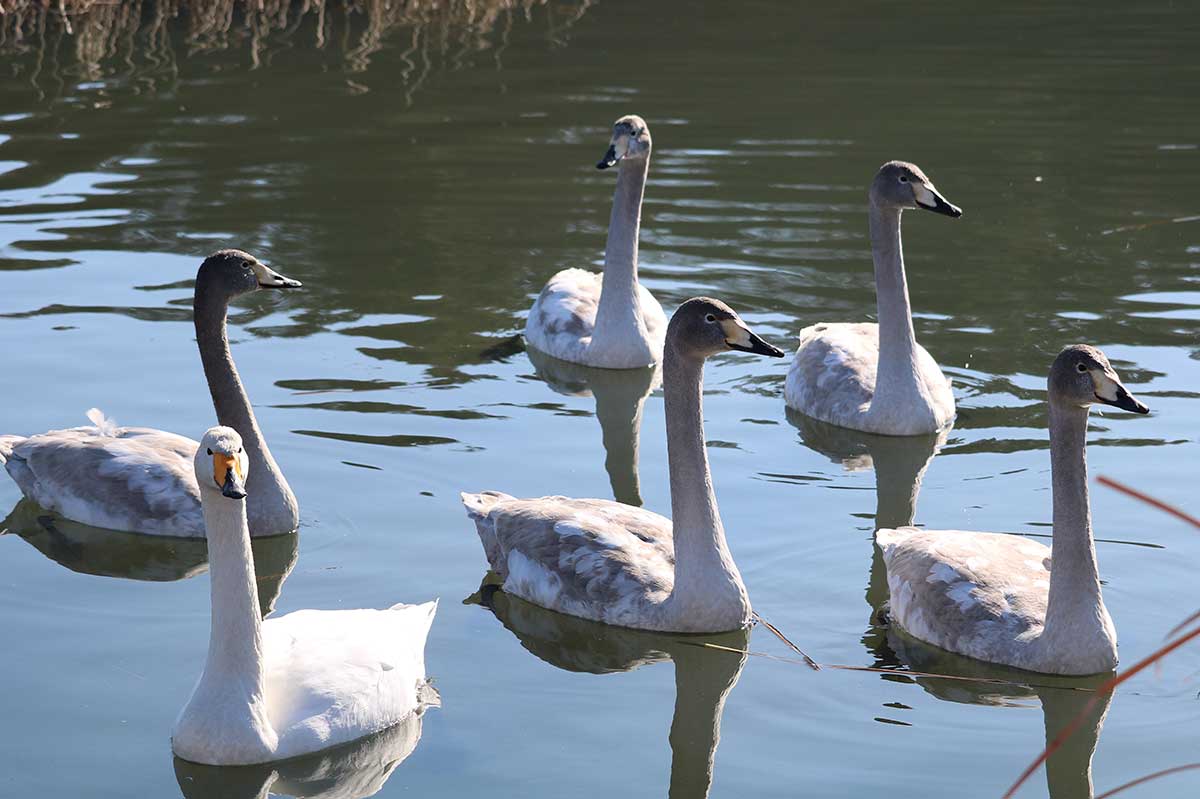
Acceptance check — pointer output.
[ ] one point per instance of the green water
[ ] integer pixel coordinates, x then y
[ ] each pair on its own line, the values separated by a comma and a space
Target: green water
424, 190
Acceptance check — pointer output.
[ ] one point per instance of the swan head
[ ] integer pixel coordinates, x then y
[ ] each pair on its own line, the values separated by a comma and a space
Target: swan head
239, 272
899, 184
703, 327
1081, 375
221, 464
630, 139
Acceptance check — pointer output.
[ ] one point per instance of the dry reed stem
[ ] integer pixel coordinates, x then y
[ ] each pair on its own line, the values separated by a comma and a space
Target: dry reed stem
1163, 773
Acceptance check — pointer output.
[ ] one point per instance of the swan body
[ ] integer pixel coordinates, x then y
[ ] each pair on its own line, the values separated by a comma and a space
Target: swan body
296, 684
140, 480
876, 377
1004, 598
625, 566
606, 320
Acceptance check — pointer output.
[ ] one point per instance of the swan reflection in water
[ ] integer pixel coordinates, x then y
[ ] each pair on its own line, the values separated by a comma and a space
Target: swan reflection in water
1069, 769
900, 464
132, 556
352, 771
620, 395
703, 677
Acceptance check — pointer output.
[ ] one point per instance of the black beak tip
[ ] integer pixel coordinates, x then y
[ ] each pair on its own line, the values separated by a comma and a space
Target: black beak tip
605, 164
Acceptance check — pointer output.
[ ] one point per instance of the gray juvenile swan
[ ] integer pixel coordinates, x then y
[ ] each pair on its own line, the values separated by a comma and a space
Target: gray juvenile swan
140, 480
876, 377
606, 320
625, 566
996, 597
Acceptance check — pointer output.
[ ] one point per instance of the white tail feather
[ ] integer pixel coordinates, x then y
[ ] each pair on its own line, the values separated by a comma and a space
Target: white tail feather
106, 425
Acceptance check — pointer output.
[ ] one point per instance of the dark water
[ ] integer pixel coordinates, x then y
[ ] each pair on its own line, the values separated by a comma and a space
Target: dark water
423, 176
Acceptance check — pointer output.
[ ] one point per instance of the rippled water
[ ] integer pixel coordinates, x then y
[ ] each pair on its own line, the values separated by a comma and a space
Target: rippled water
423, 191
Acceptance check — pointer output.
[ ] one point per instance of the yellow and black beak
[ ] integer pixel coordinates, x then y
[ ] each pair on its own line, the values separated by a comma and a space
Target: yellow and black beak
1109, 390
227, 473
741, 338
928, 198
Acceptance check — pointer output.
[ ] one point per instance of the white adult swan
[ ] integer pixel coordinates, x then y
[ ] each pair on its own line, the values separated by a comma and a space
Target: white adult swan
140, 480
626, 566
606, 320
298, 683
876, 377
997, 597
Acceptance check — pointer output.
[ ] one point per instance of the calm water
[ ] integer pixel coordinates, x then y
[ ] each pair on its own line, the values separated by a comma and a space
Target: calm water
423, 184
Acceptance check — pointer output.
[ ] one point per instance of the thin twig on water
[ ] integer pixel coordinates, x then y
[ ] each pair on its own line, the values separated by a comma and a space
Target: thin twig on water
812, 664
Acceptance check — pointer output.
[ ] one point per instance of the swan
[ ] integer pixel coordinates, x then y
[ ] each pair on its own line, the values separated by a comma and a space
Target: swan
139, 480
876, 377
295, 684
1004, 598
625, 566
606, 320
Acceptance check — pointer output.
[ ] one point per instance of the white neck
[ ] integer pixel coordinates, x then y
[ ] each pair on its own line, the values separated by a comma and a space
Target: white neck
1075, 605
619, 319
896, 382
231, 690
709, 593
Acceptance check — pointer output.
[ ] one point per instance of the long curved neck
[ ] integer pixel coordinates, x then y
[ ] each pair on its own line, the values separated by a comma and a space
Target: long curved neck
234, 669
272, 506
703, 681
1074, 576
896, 378
707, 582
620, 310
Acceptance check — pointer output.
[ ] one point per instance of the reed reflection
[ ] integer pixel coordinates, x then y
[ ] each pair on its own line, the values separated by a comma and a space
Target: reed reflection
353, 771
703, 677
620, 395
131, 556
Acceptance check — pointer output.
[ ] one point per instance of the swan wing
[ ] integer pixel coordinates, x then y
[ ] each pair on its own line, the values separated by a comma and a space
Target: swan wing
592, 558
982, 595
832, 377
334, 676
134, 479
563, 316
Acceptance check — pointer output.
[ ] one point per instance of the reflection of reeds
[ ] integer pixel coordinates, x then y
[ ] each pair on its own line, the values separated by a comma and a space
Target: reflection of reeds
110, 37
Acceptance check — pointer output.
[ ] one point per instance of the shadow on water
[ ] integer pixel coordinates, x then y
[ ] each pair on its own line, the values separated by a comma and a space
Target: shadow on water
703, 677
133, 556
1069, 769
352, 771
620, 395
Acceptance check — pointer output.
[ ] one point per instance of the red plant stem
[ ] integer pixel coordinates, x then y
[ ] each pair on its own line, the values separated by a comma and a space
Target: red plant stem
1164, 773
1107, 688
1149, 500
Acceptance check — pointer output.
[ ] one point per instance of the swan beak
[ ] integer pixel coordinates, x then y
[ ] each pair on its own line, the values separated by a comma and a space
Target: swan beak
610, 158
1110, 391
741, 338
268, 278
928, 198
227, 473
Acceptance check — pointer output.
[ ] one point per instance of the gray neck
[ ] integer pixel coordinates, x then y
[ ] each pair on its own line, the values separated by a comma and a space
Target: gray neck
234, 669
896, 379
272, 507
620, 309
620, 396
1074, 576
707, 582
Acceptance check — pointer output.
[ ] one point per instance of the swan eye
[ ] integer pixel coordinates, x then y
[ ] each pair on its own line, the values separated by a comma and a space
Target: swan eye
210, 452
710, 318
904, 178
1081, 367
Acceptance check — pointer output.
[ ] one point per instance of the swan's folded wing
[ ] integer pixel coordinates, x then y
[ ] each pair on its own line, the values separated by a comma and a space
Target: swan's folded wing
966, 592
832, 377
587, 557
140, 480
333, 676
562, 318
